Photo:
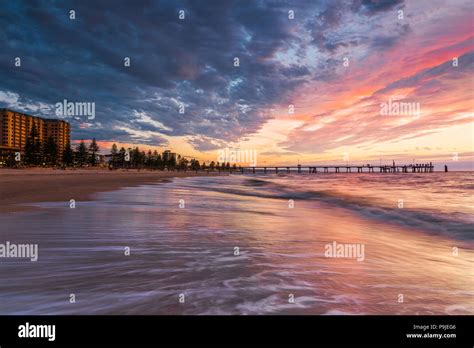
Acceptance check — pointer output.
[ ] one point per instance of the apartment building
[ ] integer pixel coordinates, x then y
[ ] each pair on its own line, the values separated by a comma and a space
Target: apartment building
15, 127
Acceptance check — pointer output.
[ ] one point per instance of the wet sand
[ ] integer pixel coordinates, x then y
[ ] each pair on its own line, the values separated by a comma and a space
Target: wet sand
18, 187
282, 250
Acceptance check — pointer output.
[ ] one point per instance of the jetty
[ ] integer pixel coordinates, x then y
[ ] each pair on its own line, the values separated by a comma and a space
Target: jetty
411, 168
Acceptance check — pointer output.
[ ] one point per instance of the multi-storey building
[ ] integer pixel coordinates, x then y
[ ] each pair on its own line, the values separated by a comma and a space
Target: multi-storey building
60, 131
168, 155
15, 127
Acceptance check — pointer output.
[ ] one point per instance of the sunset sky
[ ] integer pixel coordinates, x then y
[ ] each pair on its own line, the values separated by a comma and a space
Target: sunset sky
336, 62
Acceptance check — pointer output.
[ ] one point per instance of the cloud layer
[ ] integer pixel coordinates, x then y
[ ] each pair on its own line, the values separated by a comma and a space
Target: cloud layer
182, 81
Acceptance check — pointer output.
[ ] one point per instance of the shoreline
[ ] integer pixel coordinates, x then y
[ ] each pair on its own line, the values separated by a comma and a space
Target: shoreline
20, 187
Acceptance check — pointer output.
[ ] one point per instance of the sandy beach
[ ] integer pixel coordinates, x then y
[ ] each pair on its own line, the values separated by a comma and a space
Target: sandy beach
18, 187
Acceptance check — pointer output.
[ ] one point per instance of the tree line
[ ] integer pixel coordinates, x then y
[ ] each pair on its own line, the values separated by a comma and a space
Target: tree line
134, 158
47, 154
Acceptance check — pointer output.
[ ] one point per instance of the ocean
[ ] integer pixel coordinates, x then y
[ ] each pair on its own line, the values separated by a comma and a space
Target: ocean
251, 244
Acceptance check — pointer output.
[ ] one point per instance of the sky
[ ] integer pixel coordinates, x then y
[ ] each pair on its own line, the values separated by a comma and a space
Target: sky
316, 81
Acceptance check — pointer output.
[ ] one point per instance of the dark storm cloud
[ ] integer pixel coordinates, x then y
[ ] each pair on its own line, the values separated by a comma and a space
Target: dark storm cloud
374, 6
172, 62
